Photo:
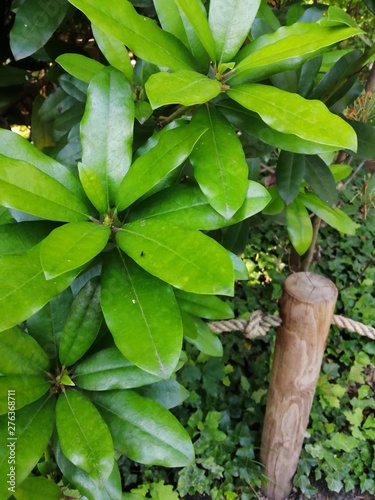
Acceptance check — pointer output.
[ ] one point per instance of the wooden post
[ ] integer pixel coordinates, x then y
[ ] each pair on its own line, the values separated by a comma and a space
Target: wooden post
306, 308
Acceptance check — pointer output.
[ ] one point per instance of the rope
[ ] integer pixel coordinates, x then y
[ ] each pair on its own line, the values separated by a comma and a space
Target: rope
259, 324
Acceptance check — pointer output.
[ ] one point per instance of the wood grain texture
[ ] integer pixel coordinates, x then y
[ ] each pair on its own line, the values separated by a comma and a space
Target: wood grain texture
306, 309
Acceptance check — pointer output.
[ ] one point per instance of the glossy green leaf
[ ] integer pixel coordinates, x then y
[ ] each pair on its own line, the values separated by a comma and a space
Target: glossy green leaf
182, 87
286, 49
219, 162
276, 205
17, 238
332, 216
47, 324
38, 487
23, 285
21, 354
34, 426
168, 393
18, 148
34, 25
143, 430
109, 369
337, 75
230, 23
141, 34
29, 190
366, 139
340, 171
336, 16
81, 67
84, 436
85, 483
71, 246
370, 4
308, 74
173, 20
107, 132
320, 179
28, 388
186, 259
114, 51
290, 170
82, 325
195, 14
292, 114
186, 206
197, 333
298, 225
204, 306
142, 314
240, 270
252, 124
172, 149
73, 87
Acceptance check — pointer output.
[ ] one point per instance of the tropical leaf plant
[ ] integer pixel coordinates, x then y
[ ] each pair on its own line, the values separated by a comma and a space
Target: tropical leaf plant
110, 242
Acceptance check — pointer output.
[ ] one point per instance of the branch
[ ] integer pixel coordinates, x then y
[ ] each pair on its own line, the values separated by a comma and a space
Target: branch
310, 252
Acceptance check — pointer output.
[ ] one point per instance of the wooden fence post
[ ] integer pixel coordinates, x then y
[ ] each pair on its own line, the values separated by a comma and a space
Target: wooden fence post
306, 308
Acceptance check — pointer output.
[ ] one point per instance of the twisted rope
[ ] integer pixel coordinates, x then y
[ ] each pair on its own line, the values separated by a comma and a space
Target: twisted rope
259, 324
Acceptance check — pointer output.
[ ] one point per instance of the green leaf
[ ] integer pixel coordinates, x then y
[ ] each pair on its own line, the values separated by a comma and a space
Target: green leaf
47, 324
23, 285
21, 354
292, 114
168, 393
34, 426
240, 270
205, 306
107, 132
26, 188
182, 87
186, 206
366, 139
114, 51
142, 314
320, 179
82, 325
196, 15
71, 246
186, 259
332, 216
340, 171
341, 441
143, 430
85, 483
230, 23
290, 171
172, 149
298, 225
81, 67
173, 20
28, 388
197, 333
38, 487
17, 238
337, 75
34, 25
252, 124
84, 436
276, 205
141, 34
18, 148
219, 162
286, 49
109, 369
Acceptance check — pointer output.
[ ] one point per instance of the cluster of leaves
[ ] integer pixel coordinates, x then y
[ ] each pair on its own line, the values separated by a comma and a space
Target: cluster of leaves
227, 399
108, 259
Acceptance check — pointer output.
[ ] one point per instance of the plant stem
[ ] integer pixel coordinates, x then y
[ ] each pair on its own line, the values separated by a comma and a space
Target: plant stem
164, 120
310, 252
